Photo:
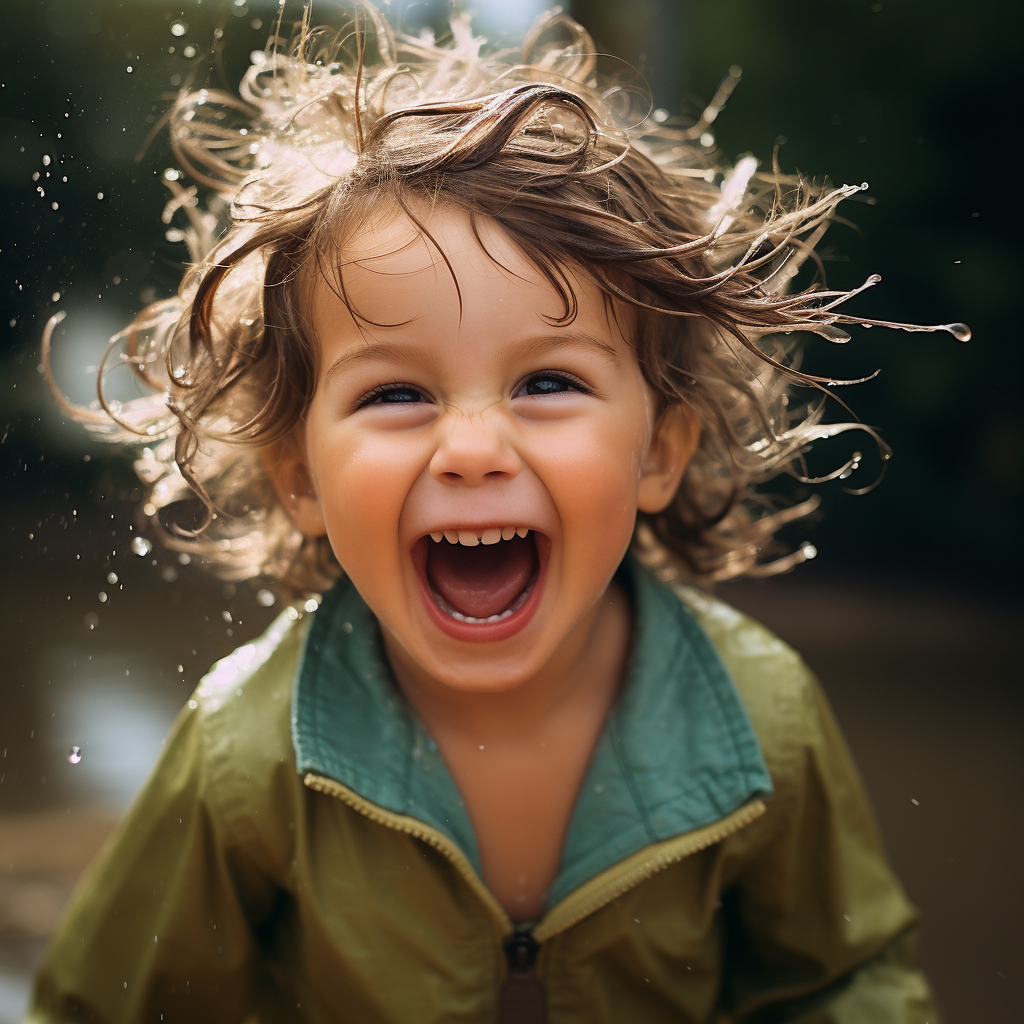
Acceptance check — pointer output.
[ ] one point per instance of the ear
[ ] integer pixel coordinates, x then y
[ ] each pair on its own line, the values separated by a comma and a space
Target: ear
675, 439
286, 465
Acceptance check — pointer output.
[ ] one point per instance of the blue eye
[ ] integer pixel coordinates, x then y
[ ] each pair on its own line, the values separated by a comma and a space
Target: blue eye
552, 384
392, 394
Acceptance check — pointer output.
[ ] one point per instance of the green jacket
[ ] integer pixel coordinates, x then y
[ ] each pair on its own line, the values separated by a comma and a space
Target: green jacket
302, 854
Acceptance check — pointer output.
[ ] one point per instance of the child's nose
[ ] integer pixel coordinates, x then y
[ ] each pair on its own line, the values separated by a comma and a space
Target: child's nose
473, 449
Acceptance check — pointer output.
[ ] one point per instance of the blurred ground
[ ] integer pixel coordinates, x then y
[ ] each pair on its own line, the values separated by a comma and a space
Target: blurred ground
924, 681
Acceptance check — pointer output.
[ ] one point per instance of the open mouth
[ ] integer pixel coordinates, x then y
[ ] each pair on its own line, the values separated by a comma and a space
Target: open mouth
481, 584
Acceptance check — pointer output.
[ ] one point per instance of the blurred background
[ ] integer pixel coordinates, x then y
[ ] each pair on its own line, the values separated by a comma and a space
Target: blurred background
909, 614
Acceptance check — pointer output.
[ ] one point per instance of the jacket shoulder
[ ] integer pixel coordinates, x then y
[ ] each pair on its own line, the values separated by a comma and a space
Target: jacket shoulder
781, 695
243, 707
260, 668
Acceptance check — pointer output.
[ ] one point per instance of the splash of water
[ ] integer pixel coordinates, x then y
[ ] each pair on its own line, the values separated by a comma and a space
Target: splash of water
141, 546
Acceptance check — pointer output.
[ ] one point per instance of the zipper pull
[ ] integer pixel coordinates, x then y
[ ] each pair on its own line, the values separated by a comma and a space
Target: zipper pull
521, 999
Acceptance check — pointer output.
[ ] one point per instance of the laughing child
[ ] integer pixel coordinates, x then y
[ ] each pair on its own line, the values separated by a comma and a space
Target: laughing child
495, 369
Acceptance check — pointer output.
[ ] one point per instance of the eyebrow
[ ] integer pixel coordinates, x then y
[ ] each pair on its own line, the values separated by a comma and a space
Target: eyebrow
388, 352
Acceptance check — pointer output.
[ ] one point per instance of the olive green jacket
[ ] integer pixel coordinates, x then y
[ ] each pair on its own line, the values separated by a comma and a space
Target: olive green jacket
302, 854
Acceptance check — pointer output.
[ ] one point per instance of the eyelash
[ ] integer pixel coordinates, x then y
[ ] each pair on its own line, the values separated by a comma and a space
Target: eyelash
381, 390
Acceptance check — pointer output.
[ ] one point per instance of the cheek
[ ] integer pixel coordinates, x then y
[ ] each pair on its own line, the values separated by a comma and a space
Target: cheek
596, 474
362, 483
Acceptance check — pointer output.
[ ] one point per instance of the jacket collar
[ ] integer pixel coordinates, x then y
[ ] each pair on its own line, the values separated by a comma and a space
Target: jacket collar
677, 753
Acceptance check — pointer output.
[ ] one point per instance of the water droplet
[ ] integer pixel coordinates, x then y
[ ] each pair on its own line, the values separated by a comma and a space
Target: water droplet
916, 803
833, 334
226, 616
346, 627
141, 546
92, 620
149, 508
265, 598
55, 297
181, 668
707, 140
171, 174
174, 235
111, 578
189, 51
129, 69
99, 195
102, 597
179, 28
311, 605
808, 551
193, 704
959, 331
74, 755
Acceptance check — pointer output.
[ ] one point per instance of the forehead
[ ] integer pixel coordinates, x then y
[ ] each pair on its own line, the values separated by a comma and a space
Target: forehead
399, 269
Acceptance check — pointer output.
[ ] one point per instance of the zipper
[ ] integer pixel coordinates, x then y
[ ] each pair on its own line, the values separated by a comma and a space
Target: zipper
594, 894
419, 830
613, 882
521, 999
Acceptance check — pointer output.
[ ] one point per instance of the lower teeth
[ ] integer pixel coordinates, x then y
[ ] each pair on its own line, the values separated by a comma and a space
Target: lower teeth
510, 610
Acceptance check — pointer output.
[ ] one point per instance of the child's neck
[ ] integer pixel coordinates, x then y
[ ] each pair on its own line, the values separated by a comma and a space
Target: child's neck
520, 757
586, 672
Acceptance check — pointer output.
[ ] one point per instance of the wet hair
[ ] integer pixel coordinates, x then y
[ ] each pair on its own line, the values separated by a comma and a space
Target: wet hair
338, 123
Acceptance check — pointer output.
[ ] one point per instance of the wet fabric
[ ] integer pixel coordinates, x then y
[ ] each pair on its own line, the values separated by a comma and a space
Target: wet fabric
234, 892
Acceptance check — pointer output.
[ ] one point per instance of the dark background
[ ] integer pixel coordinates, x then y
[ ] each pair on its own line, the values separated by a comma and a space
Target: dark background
909, 612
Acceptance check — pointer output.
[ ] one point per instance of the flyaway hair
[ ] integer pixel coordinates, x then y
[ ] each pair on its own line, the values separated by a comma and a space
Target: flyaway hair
699, 257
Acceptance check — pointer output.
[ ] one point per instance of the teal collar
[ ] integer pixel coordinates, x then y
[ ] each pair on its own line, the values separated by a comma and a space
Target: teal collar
678, 751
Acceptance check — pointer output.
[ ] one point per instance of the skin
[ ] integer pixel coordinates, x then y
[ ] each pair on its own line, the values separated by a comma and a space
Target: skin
426, 417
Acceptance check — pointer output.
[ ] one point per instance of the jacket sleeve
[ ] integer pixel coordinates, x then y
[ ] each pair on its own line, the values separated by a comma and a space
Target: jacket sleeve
161, 928
822, 930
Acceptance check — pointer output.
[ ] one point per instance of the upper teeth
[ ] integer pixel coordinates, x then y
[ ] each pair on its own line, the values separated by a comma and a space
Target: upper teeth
470, 538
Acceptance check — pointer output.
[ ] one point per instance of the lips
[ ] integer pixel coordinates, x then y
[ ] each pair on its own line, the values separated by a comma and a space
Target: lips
481, 585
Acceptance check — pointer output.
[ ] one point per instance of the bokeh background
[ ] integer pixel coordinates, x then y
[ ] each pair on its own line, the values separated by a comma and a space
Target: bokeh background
909, 614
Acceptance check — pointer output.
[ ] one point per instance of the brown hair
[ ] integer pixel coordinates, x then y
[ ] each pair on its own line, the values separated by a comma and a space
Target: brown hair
339, 122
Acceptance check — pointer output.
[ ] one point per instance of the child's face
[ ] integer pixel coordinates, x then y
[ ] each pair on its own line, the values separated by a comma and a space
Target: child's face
474, 423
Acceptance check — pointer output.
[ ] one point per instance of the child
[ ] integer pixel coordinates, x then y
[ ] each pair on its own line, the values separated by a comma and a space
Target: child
498, 370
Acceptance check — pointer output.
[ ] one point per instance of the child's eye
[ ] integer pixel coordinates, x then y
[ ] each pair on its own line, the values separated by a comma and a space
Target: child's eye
392, 394
549, 383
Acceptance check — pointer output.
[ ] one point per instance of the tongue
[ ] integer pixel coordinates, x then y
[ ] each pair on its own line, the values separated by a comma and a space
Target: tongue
484, 580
